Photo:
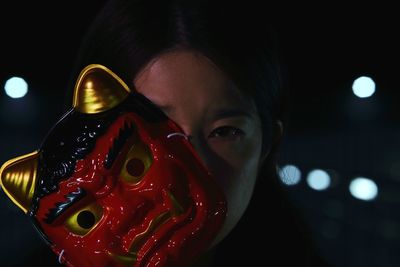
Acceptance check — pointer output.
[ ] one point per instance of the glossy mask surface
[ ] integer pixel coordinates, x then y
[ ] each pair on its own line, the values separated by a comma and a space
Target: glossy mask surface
123, 187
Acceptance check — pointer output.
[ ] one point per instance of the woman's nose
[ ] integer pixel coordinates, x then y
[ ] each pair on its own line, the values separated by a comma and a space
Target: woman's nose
202, 149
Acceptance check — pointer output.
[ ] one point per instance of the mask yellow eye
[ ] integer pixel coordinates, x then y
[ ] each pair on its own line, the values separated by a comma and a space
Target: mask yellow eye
84, 220
137, 162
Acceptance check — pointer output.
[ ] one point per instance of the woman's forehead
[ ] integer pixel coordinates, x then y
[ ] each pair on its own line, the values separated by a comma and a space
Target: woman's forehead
186, 78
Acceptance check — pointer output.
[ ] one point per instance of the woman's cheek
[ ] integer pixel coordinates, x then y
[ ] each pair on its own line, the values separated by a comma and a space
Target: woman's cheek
234, 163
237, 152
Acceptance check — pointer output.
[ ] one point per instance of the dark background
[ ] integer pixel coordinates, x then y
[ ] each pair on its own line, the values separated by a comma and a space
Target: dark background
324, 48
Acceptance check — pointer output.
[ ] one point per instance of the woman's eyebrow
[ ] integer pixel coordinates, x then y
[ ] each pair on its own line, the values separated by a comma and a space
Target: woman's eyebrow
219, 114
231, 112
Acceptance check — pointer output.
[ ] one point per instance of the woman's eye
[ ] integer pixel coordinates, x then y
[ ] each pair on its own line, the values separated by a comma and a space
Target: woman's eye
84, 220
226, 131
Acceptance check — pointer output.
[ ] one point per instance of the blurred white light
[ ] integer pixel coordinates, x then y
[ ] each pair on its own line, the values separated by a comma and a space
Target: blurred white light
290, 175
363, 87
318, 179
363, 188
16, 87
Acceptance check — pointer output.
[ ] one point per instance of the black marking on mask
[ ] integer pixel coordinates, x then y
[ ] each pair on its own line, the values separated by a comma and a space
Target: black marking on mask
61, 207
124, 133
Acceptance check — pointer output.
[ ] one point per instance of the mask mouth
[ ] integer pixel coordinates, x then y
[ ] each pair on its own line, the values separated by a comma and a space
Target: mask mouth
126, 260
172, 217
141, 238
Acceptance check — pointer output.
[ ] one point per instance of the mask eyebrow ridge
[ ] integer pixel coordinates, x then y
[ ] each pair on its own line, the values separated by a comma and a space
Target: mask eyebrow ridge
124, 133
60, 207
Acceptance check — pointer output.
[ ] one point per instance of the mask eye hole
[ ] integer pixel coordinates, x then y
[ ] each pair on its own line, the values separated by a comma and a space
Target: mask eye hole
137, 162
135, 167
84, 220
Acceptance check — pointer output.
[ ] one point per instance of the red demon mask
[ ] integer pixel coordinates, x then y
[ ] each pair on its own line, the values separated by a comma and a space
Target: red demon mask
117, 183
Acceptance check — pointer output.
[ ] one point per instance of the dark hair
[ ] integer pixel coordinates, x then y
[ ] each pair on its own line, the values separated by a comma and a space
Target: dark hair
128, 34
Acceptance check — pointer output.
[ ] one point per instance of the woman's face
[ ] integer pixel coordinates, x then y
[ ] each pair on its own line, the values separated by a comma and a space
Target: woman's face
222, 124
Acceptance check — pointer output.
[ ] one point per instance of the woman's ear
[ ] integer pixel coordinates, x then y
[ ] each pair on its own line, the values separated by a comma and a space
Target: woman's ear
278, 133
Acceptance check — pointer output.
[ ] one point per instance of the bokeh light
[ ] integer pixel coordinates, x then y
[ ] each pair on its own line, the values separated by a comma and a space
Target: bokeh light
363, 87
16, 87
363, 188
318, 179
290, 174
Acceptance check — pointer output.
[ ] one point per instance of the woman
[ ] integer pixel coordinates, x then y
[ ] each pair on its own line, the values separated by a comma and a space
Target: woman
212, 67
194, 58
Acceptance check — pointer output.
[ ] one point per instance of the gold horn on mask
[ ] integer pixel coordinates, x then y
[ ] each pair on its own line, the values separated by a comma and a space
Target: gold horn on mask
98, 89
18, 179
